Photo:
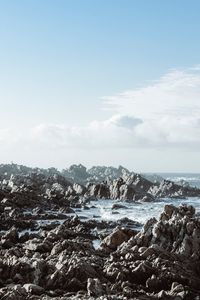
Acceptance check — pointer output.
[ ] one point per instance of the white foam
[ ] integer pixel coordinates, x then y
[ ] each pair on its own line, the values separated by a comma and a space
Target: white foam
139, 212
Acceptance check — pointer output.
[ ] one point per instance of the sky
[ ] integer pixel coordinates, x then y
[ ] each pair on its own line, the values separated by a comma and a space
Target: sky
110, 82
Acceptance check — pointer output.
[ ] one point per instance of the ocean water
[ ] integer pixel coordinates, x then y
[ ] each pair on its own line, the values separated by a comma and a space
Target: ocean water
137, 211
141, 212
192, 178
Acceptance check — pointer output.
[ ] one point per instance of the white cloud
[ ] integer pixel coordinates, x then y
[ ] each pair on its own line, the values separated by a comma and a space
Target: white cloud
169, 109
163, 114
118, 131
176, 93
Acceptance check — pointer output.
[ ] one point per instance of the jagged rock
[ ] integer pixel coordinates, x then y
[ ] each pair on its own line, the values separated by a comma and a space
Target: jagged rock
116, 238
170, 189
77, 173
13, 295
40, 260
94, 287
79, 189
38, 245
98, 190
9, 238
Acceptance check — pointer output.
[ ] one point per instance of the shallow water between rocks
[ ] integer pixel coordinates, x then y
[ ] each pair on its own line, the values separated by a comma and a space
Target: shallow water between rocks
101, 210
136, 211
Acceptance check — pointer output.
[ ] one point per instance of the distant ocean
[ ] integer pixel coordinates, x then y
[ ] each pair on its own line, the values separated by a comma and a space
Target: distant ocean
192, 178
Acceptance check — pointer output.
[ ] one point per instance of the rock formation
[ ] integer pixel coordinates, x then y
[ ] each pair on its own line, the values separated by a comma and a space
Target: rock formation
19, 184
162, 261
47, 254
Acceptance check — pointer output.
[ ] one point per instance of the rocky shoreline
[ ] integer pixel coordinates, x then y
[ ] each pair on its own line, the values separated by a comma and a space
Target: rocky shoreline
162, 261
45, 253
26, 187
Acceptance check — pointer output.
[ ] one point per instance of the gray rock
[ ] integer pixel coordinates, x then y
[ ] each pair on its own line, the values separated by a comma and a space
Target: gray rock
33, 289
94, 287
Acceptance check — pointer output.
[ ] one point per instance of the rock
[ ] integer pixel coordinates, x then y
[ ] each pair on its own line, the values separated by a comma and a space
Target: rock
38, 245
118, 206
142, 272
94, 287
98, 191
77, 173
33, 289
20, 289
46, 259
79, 189
170, 189
12, 295
116, 238
147, 198
75, 285
9, 238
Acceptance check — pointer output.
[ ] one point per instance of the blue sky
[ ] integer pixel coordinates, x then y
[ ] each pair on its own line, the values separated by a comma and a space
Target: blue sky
59, 59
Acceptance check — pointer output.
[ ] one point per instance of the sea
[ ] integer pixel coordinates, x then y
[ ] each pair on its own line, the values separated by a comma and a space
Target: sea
140, 212
192, 178
137, 211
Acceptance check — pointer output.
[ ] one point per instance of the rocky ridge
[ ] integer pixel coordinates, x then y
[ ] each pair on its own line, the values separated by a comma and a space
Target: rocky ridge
77, 184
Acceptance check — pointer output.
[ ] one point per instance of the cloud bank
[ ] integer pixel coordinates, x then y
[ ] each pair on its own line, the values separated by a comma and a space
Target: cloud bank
164, 114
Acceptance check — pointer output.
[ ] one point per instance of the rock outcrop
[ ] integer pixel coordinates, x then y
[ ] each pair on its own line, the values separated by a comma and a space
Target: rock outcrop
21, 186
136, 188
162, 261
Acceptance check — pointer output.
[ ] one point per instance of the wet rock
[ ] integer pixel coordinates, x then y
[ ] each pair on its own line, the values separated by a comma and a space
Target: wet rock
147, 198
119, 206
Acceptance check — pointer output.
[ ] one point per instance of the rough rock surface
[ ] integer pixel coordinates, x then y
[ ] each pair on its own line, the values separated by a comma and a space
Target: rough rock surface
137, 188
21, 186
162, 261
46, 254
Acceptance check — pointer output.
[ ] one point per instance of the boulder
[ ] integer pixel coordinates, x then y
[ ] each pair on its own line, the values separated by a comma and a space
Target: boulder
33, 288
116, 238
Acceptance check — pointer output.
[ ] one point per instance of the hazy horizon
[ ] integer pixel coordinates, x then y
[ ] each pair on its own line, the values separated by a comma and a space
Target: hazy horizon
101, 83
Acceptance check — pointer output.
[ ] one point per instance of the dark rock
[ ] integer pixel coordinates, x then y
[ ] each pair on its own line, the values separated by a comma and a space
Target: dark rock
119, 206
117, 237
42, 260
94, 287
9, 238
